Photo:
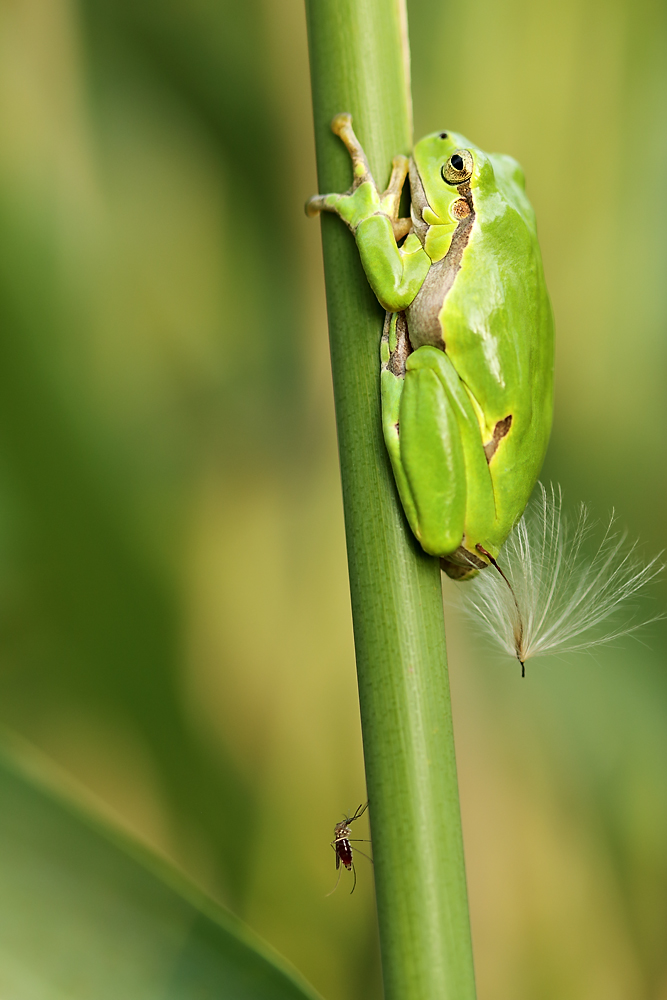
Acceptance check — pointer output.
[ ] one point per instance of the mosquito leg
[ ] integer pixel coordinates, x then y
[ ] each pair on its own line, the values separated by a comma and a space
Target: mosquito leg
340, 870
364, 855
360, 810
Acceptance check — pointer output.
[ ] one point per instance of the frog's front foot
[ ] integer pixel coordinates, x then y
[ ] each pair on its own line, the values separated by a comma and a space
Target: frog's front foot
342, 127
363, 199
347, 205
318, 203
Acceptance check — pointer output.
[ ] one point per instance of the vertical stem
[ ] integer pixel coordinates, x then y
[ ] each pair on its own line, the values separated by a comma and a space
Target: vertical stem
359, 63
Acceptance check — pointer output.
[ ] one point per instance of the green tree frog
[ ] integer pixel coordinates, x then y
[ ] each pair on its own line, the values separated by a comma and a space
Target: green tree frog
467, 347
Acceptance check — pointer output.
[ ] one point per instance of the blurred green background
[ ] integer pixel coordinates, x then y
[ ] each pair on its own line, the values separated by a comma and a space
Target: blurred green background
174, 617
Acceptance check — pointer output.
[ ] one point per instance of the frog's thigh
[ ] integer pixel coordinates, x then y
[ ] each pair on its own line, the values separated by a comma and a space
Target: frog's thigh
480, 512
431, 457
392, 390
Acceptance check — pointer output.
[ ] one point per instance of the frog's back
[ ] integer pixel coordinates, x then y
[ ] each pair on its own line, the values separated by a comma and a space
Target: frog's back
498, 331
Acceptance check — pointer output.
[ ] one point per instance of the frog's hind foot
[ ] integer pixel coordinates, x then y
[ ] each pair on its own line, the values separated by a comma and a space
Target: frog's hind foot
462, 564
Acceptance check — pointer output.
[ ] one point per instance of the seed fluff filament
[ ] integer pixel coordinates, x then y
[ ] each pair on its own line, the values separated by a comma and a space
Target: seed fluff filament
549, 595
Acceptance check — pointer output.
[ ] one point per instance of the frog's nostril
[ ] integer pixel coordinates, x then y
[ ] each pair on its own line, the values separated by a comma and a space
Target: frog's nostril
443, 135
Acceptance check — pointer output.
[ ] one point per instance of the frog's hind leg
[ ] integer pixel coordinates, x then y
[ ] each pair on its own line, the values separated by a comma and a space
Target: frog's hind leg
443, 458
395, 349
432, 461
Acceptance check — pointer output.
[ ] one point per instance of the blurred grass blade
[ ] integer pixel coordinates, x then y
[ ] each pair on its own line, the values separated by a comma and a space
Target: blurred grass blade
86, 913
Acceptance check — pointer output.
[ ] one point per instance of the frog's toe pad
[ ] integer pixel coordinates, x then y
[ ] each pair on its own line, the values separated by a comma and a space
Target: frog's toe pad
456, 572
314, 206
341, 122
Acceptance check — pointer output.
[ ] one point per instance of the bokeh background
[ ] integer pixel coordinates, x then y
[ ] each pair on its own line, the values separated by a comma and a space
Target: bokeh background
174, 618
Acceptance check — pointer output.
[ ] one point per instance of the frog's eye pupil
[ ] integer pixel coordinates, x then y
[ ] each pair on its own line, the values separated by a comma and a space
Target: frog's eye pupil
443, 135
458, 168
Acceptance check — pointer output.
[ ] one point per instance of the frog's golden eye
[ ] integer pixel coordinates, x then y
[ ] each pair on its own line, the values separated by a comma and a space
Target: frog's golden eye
458, 167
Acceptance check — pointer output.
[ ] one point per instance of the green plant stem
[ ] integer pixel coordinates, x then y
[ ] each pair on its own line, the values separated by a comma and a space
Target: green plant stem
358, 64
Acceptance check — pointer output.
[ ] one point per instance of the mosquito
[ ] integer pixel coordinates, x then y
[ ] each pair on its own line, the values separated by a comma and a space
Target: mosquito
342, 846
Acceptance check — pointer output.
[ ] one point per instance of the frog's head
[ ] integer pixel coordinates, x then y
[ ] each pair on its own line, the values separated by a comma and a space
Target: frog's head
445, 171
450, 177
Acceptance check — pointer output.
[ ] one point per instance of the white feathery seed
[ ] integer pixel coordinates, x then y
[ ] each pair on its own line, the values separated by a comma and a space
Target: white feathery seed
560, 595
